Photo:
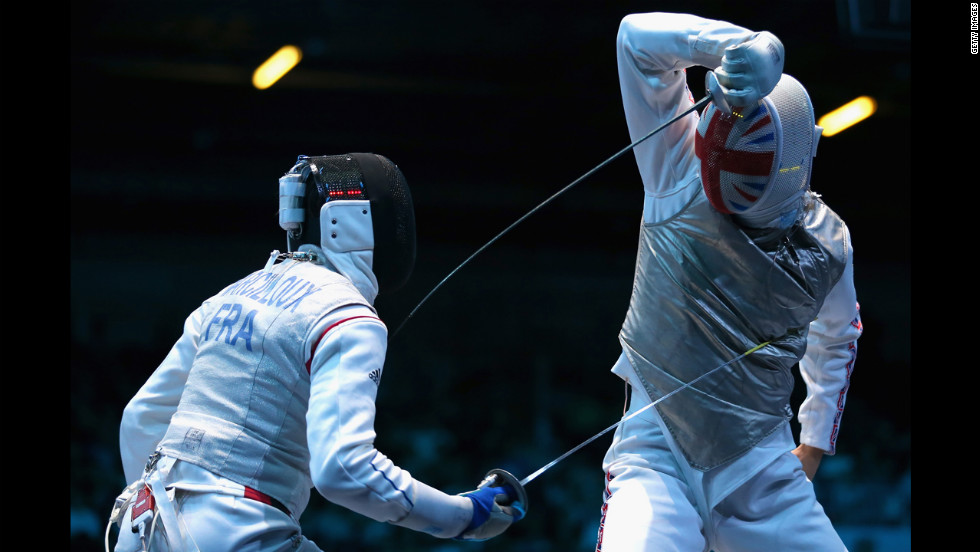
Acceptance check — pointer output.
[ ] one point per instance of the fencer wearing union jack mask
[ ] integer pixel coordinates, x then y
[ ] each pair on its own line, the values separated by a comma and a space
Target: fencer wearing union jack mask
742, 273
270, 390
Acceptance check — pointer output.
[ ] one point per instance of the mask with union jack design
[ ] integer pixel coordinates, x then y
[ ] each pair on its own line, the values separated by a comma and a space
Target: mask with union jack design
756, 162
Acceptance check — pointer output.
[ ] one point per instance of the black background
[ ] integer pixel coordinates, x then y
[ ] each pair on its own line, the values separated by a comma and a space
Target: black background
488, 108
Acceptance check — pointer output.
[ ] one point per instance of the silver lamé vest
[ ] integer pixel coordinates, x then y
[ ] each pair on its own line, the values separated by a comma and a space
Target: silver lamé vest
242, 414
703, 294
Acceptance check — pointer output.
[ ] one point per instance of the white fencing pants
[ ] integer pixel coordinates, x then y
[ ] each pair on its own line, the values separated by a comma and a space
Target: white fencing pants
654, 501
197, 518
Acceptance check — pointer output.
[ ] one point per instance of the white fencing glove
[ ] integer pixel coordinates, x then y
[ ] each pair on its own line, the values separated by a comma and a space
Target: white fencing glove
498, 502
748, 72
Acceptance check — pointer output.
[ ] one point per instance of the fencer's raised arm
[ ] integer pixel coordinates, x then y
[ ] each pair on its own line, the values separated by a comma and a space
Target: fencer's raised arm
653, 51
747, 64
658, 42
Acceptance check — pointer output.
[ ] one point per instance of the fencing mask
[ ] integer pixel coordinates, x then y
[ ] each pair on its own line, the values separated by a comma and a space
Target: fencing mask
350, 202
756, 162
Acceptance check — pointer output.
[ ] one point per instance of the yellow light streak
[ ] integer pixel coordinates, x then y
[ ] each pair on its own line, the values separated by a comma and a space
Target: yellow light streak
276, 66
848, 115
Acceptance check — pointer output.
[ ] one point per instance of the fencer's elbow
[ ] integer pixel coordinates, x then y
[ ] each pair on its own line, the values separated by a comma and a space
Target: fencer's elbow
332, 483
333, 473
626, 28
632, 30
628, 23
634, 23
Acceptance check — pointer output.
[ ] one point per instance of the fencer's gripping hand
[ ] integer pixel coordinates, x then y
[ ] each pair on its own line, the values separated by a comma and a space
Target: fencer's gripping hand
749, 71
497, 504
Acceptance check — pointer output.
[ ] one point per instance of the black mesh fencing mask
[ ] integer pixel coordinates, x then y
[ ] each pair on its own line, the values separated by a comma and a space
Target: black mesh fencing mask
360, 176
317, 184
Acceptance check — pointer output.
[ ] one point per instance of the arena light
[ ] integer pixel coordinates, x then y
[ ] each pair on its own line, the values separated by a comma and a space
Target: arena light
848, 115
276, 66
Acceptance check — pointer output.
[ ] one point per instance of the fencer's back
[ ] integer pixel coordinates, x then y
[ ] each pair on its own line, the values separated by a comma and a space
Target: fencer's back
242, 412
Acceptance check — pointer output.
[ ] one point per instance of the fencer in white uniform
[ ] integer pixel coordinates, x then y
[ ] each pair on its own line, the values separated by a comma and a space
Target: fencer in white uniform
736, 254
270, 390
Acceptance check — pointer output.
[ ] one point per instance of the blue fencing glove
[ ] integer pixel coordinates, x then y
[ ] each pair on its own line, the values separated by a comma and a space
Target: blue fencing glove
498, 502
